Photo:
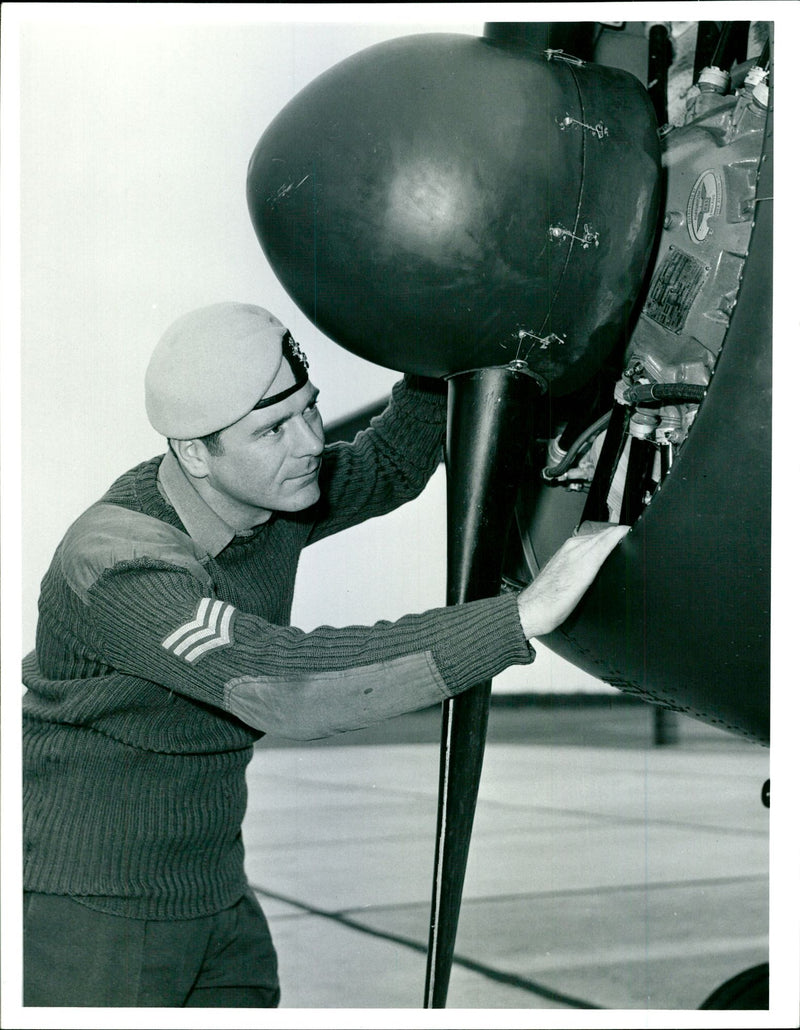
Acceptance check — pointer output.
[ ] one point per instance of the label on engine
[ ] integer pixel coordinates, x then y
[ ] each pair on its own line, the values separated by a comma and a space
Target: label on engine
705, 202
676, 283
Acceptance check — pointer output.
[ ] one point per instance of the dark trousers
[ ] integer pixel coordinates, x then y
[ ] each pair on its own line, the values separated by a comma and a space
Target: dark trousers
74, 956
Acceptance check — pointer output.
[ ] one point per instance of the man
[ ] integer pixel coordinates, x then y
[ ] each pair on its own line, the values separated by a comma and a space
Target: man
164, 650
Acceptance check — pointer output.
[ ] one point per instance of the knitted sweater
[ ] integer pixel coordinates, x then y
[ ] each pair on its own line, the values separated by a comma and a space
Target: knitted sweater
158, 665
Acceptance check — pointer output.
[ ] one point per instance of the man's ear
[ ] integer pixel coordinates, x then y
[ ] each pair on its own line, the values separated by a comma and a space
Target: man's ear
193, 456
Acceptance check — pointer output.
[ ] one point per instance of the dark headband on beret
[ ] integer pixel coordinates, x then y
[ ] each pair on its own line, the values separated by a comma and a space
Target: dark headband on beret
298, 363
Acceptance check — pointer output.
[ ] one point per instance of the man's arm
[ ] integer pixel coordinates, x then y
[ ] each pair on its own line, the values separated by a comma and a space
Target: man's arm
161, 626
387, 464
129, 594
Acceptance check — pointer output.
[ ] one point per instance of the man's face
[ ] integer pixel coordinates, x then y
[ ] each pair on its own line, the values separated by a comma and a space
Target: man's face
270, 459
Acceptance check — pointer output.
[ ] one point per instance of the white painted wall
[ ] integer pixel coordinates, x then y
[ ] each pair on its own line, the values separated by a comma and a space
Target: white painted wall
135, 134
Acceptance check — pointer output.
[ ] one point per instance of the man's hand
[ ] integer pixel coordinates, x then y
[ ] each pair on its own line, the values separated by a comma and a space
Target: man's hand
564, 580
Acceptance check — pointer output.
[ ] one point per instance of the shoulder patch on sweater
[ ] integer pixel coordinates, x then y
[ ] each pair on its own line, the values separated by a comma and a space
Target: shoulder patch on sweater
210, 628
108, 534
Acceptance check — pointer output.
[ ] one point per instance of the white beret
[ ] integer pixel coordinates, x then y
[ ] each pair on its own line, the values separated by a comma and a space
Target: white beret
210, 368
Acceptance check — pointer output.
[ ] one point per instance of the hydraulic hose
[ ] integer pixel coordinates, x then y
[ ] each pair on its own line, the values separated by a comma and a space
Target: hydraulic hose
554, 471
641, 393
671, 393
731, 45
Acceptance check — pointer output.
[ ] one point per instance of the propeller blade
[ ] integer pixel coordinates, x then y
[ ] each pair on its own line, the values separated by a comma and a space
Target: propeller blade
490, 426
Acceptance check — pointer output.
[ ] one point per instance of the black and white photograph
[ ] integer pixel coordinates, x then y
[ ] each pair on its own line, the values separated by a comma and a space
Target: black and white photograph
397, 492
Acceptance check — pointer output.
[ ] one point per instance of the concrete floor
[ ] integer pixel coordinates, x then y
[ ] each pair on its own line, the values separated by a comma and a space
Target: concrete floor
604, 872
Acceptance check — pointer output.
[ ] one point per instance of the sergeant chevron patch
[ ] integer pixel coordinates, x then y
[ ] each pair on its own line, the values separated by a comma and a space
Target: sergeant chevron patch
209, 629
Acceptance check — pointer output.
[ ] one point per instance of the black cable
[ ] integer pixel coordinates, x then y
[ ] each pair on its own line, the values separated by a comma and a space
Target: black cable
673, 393
554, 471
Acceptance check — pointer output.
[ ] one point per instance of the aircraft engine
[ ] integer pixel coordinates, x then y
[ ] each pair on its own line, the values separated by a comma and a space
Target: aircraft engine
679, 445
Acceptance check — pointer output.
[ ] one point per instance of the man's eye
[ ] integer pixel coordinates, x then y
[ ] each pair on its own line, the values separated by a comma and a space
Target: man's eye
274, 430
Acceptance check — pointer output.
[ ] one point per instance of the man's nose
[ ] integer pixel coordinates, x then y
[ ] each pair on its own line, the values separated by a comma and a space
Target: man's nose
310, 436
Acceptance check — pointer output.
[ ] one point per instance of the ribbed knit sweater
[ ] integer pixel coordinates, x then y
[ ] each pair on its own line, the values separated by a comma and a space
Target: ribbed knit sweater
158, 665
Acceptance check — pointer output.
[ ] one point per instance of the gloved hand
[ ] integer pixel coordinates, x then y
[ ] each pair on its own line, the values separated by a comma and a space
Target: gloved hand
564, 580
